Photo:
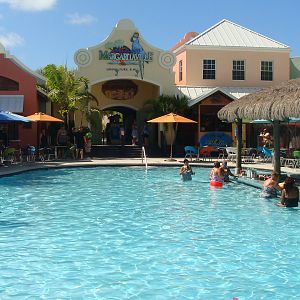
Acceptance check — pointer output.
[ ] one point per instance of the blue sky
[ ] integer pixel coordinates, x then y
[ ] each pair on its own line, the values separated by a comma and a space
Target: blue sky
39, 32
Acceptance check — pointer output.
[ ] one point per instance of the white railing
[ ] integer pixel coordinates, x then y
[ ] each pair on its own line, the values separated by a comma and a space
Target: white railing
144, 157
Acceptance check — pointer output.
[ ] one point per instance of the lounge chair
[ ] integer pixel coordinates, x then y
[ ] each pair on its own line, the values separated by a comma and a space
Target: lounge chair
205, 152
190, 152
8, 155
231, 153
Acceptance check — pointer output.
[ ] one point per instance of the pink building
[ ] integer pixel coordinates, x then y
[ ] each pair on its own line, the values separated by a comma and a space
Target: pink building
222, 64
19, 94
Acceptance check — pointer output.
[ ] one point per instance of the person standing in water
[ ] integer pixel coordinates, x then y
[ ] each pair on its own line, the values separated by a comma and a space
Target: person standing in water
186, 171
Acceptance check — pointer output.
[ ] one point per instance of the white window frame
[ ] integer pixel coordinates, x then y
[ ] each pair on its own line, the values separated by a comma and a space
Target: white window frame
239, 68
203, 69
180, 70
268, 71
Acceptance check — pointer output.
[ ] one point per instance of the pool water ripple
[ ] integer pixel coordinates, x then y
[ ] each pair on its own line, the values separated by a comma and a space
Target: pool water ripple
124, 233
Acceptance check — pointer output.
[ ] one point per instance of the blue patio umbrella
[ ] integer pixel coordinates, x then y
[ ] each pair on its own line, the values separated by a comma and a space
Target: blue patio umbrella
9, 117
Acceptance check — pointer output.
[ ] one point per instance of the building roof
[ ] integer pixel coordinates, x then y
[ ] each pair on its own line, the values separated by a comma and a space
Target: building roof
197, 93
228, 34
39, 77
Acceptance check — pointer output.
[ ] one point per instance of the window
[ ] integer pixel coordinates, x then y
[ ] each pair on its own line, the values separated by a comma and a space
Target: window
238, 70
180, 70
209, 69
266, 70
7, 84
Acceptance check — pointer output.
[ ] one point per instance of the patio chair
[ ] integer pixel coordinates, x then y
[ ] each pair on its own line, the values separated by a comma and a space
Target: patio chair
293, 162
231, 153
30, 153
267, 154
205, 152
222, 153
8, 155
190, 152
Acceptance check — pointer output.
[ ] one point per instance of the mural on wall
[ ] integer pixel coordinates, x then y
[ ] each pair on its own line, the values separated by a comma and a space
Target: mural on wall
125, 58
215, 139
119, 89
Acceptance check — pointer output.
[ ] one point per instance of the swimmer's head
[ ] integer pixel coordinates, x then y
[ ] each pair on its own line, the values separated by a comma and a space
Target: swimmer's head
274, 176
224, 163
216, 164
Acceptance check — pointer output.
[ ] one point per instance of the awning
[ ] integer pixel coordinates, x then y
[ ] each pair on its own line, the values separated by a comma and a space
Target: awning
12, 103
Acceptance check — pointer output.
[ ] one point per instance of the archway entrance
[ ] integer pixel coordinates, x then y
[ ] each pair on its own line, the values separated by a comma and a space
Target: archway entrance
117, 123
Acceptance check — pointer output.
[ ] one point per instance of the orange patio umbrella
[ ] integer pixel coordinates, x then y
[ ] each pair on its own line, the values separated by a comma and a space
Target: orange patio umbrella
171, 118
42, 117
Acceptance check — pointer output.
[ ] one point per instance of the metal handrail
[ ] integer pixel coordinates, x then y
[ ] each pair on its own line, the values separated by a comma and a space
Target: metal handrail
144, 156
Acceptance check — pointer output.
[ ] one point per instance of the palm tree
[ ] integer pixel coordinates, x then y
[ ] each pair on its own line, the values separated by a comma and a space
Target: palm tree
167, 104
84, 100
65, 89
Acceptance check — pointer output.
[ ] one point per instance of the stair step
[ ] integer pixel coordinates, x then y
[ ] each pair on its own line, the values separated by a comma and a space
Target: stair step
116, 151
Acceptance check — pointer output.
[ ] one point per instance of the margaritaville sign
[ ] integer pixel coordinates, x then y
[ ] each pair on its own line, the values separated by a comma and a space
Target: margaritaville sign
130, 57
120, 55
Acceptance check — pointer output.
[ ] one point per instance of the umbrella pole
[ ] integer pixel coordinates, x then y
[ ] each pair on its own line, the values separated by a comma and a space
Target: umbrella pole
171, 150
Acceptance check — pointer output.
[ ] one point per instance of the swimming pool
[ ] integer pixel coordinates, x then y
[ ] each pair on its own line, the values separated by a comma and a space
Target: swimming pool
123, 233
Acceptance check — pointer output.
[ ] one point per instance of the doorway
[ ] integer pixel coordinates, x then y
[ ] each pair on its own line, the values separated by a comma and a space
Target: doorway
117, 125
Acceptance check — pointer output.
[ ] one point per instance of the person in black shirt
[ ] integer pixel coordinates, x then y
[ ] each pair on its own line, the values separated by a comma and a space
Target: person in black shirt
79, 141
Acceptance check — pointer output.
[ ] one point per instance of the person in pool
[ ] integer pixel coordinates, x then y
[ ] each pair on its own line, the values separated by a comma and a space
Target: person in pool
186, 171
270, 186
217, 174
226, 171
289, 194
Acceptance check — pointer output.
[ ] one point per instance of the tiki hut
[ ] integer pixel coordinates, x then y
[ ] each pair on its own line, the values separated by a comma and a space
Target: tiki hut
276, 103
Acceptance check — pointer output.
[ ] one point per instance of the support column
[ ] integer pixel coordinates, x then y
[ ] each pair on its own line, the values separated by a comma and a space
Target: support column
276, 138
239, 139
199, 124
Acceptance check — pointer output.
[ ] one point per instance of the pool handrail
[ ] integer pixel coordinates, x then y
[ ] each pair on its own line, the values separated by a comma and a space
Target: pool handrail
144, 156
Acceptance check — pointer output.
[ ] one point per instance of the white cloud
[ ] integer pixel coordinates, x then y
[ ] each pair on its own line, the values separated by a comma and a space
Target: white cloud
76, 19
30, 5
11, 40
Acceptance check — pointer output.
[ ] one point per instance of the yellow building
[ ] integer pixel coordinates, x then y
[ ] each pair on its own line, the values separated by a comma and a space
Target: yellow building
124, 72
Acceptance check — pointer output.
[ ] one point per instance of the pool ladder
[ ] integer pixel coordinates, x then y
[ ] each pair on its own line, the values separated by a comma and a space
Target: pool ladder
144, 157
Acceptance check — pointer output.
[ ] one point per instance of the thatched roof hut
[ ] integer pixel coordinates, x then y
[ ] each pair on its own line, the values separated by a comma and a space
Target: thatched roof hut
277, 102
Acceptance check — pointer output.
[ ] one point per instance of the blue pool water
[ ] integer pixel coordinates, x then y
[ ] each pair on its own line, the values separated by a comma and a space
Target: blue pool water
123, 233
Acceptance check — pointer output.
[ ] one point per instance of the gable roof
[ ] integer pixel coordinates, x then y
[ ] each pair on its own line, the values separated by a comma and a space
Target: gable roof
228, 34
39, 77
197, 93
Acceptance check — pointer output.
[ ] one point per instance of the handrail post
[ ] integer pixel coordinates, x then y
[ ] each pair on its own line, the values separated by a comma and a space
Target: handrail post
144, 155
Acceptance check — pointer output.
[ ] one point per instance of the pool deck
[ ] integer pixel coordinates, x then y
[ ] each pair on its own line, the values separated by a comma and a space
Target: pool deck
29, 166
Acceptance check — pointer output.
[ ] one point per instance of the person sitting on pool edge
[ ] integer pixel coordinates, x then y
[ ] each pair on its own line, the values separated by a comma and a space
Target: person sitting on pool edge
270, 186
226, 171
289, 194
186, 171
